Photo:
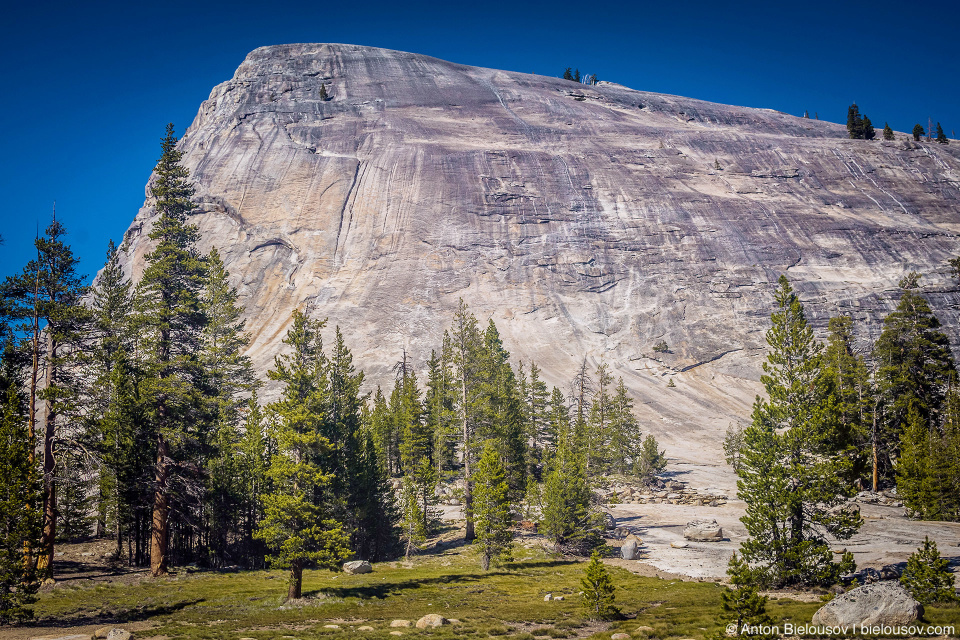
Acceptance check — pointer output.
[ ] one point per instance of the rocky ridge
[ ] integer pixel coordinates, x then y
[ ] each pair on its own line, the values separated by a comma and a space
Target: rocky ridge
585, 220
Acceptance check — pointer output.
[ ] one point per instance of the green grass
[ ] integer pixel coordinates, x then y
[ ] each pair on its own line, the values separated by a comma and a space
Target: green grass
218, 606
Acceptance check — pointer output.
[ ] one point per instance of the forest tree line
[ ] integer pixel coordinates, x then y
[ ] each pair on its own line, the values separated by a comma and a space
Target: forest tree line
131, 411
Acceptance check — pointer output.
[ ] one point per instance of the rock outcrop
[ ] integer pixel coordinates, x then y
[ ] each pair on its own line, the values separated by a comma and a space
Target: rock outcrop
880, 603
588, 221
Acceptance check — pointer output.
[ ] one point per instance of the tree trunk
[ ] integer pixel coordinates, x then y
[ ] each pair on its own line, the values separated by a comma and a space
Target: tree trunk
296, 580
158, 532
467, 490
45, 559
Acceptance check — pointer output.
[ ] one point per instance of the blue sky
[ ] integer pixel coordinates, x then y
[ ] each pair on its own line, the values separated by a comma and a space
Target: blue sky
90, 86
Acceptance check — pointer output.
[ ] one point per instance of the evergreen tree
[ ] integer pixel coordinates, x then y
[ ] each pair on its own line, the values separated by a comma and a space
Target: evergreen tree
576, 76
914, 369
381, 426
323, 92
566, 518
650, 460
598, 434
492, 508
19, 515
887, 132
172, 319
917, 132
743, 606
535, 401
845, 372
789, 477
254, 451
73, 500
439, 401
467, 345
501, 410
598, 590
416, 450
228, 380
733, 446
568, 73
854, 122
298, 526
377, 535
928, 577
50, 291
941, 136
624, 432
869, 133
558, 423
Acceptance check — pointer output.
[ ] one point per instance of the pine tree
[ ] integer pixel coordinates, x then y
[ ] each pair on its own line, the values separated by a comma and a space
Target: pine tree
298, 526
416, 450
733, 446
377, 536
598, 435
228, 379
566, 518
887, 131
624, 431
535, 400
50, 291
492, 508
323, 93
20, 519
438, 403
598, 591
941, 136
743, 606
650, 461
866, 127
467, 343
918, 132
914, 367
254, 451
568, 74
854, 122
927, 576
501, 410
73, 500
171, 315
789, 478
845, 372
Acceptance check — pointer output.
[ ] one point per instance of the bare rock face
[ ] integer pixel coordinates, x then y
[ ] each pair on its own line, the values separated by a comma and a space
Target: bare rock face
587, 221
880, 603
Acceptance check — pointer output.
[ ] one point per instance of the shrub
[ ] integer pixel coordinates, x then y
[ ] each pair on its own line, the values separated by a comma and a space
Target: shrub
927, 576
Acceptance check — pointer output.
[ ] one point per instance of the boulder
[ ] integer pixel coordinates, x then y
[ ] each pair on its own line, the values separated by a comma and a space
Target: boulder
630, 550
75, 636
119, 634
357, 566
703, 531
880, 603
611, 522
620, 636
401, 623
679, 544
365, 627
431, 620
890, 572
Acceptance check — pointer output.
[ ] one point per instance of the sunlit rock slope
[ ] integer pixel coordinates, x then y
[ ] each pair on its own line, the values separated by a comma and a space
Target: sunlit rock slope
586, 220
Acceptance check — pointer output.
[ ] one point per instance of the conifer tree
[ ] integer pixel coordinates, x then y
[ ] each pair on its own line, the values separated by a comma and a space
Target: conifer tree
854, 122
298, 526
596, 442
228, 379
501, 410
743, 606
941, 136
416, 449
20, 519
927, 576
918, 132
845, 372
439, 400
866, 127
381, 426
535, 400
789, 477
599, 592
887, 131
565, 515
568, 74
255, 451
50, 291
624, 431
492, 508
172, 319
914, 368
650, 460
467, 345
